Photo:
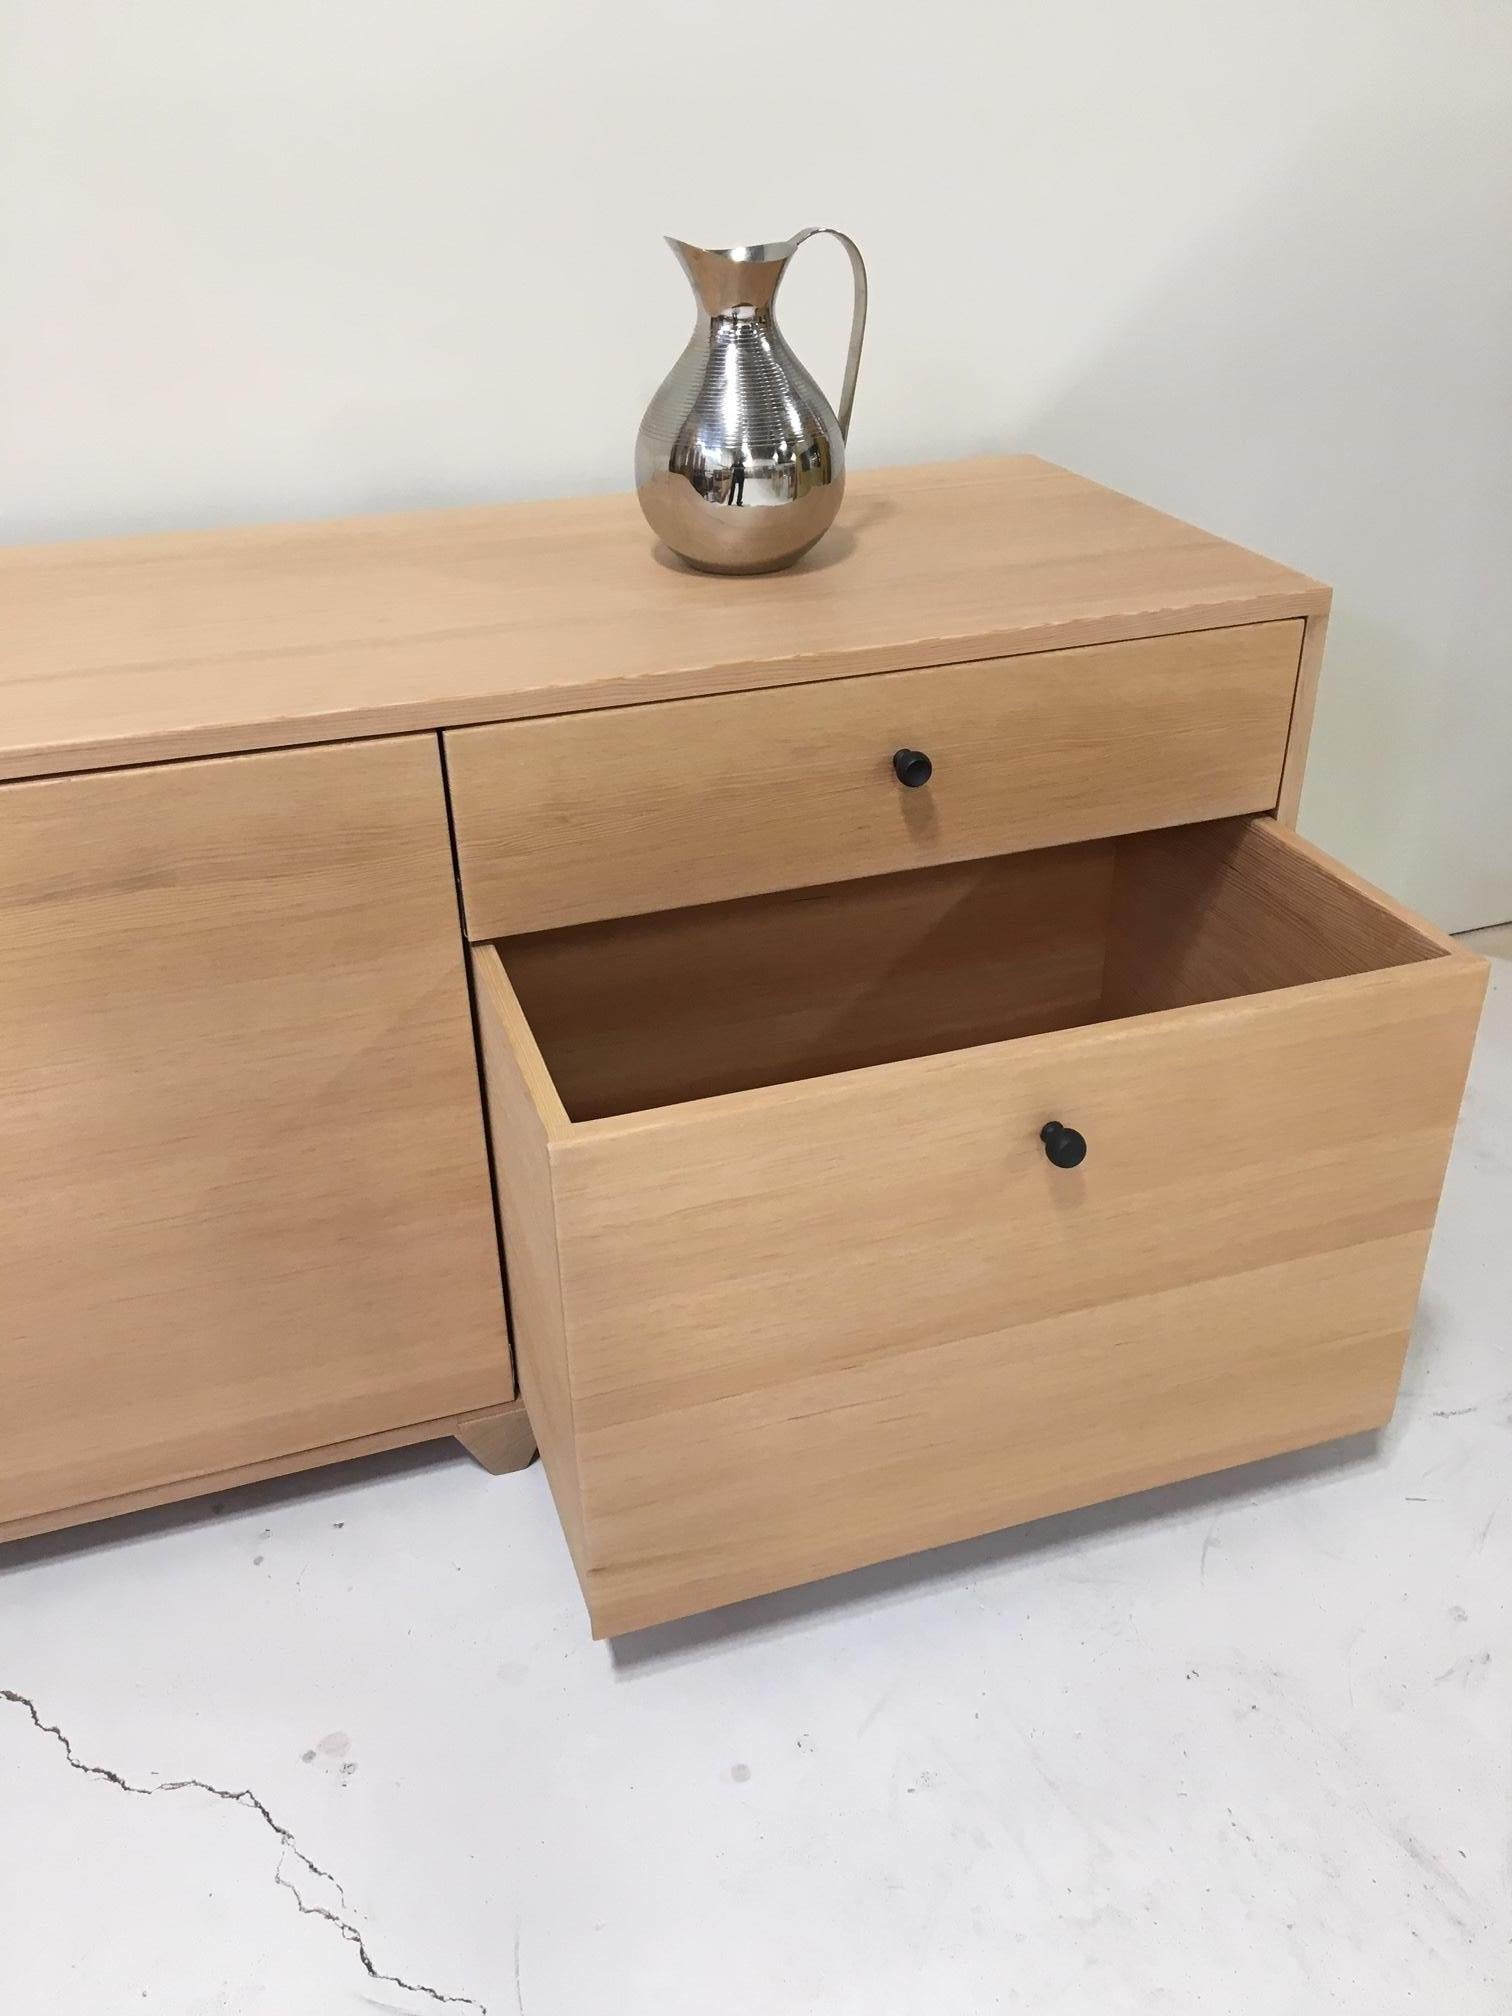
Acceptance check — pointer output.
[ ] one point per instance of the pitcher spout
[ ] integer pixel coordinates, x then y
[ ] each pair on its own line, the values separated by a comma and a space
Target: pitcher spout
734, 276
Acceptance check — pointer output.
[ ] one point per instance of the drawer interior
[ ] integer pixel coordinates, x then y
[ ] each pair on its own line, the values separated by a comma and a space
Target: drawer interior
653, 1010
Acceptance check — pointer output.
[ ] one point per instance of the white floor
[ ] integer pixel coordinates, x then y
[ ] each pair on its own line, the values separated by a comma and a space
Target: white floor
1243, 1747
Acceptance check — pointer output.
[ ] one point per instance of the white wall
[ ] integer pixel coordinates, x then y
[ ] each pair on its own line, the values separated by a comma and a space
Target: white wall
261, 258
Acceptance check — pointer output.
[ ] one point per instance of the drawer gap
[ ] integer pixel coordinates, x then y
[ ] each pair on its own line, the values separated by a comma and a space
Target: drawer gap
655, 1010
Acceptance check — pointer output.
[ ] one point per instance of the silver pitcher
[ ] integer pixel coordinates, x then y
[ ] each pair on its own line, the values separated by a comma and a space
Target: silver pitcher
740, 460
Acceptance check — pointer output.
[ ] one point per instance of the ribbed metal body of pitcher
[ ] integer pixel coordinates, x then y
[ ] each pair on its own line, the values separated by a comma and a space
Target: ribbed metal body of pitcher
740, 460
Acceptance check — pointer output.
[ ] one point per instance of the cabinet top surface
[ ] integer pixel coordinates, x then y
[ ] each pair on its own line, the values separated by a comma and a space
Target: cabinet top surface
146, 649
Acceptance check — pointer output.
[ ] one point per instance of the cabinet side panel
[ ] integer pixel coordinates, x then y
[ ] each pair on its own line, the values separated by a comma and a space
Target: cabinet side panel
1304, 707
241, 1151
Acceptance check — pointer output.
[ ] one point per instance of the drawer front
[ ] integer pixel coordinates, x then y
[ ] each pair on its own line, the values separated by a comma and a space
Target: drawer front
583, 816
773, 1334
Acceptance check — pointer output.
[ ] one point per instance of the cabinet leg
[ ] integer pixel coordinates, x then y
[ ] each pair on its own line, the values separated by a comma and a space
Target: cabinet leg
501, 1440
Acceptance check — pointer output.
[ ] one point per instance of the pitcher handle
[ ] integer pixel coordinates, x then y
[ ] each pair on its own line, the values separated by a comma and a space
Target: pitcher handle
858, 317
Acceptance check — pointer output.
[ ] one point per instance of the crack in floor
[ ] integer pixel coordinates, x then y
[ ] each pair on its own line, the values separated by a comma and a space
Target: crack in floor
287, 1846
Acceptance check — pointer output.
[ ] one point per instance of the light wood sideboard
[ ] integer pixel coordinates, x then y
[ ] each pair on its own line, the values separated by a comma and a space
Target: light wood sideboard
882, 1151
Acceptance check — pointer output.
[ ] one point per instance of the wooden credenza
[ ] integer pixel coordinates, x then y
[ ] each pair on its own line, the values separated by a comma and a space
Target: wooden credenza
371, 889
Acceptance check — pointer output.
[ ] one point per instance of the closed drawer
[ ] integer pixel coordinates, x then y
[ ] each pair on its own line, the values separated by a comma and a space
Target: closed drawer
581, 816
795, 1283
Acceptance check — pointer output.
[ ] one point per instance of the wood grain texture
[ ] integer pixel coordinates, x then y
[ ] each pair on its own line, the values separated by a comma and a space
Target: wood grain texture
130, 650
819, 1323
1241, 906
527, 1118
872, 1317
917, 1449
212, 1483
246, 1196
684, 1003
500, 1441
1299, 738
642, 808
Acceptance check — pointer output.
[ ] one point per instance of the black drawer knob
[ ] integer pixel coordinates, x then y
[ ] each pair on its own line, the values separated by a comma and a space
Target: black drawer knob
912, 767
1064, 1146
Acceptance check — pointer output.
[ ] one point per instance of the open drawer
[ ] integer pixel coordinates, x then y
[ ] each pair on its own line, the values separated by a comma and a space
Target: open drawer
795, 1282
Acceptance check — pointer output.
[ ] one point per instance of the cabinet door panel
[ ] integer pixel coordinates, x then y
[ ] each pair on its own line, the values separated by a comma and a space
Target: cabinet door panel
244, 1200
